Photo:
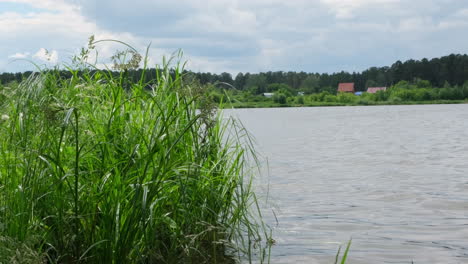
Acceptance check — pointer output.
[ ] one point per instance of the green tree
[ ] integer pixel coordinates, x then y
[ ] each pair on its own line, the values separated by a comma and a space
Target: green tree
371, 83
239, 81
310, 84
278, 86
256, 83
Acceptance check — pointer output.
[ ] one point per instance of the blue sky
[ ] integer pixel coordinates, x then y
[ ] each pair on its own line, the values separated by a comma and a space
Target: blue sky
22, 8
237, 35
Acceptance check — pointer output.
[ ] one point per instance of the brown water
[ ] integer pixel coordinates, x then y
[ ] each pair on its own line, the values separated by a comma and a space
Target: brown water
392, 178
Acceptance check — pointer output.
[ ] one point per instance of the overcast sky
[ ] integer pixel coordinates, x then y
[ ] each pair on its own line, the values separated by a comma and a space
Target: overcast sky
238, 35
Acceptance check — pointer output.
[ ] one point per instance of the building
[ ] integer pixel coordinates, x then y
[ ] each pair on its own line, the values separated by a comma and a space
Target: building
375, 89
346, 88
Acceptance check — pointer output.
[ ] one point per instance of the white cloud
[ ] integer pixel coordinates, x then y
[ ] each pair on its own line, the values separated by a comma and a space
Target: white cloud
46, 56
64, 31
418, 24
19, 55
245, 35
347, 9
463, 13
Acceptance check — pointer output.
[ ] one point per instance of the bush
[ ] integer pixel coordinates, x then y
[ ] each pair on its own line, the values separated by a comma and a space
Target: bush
329, 98
395, 99
300, 100
381, 95
280, 98
363, 101
346, 98
98, 174
284, 88
423, 84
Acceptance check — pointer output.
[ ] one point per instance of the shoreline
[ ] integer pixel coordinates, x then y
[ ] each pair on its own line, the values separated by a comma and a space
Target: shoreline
334, 104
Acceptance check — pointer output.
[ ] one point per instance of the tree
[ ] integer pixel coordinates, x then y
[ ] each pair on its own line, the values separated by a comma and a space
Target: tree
256, 83
371, 83
239, 81
310, 84
278, 86
226, 77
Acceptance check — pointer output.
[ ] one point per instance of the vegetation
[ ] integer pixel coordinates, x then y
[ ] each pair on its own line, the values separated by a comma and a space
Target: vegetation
137, 165
450, 69
345, 254
98, 168
439, 80
417, 92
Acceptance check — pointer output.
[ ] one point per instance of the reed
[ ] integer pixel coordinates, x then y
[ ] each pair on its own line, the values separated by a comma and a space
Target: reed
97, 168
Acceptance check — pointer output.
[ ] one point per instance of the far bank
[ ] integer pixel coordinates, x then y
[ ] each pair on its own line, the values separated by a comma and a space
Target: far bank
331, 104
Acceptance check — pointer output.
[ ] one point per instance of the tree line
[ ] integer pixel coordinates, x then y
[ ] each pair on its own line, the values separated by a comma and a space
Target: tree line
449, 70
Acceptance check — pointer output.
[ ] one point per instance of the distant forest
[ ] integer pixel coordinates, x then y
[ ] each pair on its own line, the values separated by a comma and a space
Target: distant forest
449, 70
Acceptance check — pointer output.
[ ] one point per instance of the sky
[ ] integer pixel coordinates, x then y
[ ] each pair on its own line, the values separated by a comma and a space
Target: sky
235, 35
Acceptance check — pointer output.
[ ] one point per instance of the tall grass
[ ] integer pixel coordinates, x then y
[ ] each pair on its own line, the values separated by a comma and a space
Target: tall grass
97, 169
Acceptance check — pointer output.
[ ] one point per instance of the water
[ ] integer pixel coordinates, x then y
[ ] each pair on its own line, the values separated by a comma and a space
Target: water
392, 178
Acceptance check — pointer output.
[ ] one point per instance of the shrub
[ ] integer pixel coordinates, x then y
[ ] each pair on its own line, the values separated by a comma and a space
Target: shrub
300, 100
280, 98
95, 173
346, 98
329, 98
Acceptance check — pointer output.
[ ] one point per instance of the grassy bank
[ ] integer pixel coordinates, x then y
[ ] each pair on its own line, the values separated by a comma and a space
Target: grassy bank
98, 169
268, 104
402, 93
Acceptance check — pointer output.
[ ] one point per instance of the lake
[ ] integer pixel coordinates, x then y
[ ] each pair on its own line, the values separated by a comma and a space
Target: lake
392, 178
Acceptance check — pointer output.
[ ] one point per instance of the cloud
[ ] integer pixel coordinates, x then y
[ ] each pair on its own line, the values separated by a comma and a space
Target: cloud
46, 56
58, 27
246, 35
19, 55
347, 9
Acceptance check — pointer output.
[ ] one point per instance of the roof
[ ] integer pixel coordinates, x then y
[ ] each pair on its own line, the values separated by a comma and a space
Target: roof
346, 87
375, 89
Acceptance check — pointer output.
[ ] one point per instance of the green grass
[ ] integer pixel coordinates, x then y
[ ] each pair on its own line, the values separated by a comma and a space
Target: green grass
345, 254
96, 169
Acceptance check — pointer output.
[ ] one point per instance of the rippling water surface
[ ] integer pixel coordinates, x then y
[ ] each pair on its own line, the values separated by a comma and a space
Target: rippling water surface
392, 178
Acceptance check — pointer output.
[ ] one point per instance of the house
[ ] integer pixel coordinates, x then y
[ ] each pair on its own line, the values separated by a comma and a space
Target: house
346, 87
268, 95
375, 89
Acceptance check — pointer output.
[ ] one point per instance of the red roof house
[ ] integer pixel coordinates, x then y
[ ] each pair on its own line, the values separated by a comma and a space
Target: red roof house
375, 89
346, 87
